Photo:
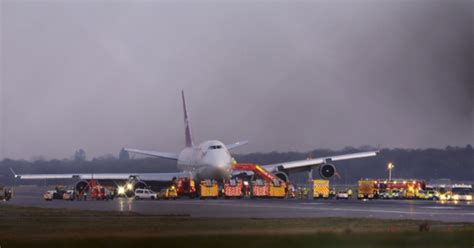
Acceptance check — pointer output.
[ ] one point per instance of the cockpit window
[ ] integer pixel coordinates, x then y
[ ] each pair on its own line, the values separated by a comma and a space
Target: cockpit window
215, 147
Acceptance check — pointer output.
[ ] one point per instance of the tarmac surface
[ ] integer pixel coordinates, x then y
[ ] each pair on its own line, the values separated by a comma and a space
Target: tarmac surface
263, 208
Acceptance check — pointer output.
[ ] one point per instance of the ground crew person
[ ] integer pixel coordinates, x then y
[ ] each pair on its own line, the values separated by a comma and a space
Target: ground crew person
291, 191
305, 192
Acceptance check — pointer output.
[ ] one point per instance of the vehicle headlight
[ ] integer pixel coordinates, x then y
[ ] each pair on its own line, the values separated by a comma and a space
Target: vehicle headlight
121, 190
469, 197
455, 197
129, 186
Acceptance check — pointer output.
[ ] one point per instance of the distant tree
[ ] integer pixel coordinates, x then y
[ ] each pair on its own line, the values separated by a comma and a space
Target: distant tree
469, 147
105, 157
367, 148
124, 155
80, 155
38, 158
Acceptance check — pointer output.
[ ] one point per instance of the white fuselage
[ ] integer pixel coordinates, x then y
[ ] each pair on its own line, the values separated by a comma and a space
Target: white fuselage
208, 160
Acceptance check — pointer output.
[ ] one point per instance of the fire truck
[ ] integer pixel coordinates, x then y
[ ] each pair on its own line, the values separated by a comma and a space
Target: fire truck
233, 188
367, 189
266, 184
209, 189
186, 187
409, 188
259, 188
93, 190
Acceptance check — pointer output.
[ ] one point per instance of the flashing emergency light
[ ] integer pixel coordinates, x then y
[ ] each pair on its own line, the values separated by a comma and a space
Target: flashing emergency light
121, 190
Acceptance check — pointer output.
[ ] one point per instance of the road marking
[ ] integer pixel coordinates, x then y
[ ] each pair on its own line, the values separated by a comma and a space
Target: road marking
440, 207
313, 203
330, 209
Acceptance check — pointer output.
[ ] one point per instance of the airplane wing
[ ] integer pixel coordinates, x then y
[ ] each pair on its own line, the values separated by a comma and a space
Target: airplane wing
317, 161
236, 144
162, 177
165, 155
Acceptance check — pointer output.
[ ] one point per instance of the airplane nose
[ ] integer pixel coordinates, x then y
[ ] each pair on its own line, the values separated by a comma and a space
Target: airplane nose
223, 170
223, 166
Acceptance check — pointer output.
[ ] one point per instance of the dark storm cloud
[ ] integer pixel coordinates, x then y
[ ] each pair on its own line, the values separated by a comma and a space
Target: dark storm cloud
286, 75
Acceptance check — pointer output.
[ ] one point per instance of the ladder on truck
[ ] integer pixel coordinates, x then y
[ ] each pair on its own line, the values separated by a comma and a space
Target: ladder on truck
276, 186
257, 169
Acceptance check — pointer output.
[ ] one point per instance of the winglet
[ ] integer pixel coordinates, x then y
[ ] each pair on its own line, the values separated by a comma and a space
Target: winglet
14, 174
236, 144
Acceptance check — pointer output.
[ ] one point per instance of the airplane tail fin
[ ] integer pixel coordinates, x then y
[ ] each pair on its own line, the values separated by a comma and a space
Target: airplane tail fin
189, 139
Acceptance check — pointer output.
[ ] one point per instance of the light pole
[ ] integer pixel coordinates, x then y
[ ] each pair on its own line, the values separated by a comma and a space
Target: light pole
390, 167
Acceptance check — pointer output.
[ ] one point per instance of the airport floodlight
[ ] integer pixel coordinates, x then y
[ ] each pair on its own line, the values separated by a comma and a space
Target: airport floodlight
390, 167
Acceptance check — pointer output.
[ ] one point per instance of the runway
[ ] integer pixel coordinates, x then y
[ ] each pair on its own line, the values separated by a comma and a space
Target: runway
264, 208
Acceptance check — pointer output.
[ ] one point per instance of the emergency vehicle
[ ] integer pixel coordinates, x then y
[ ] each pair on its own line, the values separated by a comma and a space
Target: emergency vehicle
320, 189
168, 193
186, 187
461, 192
367, 189
265, 184
233, 188
209, 189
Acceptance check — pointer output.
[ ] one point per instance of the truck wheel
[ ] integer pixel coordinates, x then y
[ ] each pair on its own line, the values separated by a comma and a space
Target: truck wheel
137, 198
152, 198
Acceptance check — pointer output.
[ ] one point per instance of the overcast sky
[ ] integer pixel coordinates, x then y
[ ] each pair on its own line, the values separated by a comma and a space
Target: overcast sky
286, 75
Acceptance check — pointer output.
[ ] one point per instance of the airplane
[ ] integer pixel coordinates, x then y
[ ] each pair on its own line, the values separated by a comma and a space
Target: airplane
210, 159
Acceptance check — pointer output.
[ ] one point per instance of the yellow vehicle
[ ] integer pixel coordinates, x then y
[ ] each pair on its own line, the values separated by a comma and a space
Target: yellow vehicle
168, 193
209, 189
431, 195
277, 189
410, 192
366, 189
444, 194
320, 189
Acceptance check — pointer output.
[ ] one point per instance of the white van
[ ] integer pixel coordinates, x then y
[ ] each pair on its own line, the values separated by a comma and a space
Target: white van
145, 194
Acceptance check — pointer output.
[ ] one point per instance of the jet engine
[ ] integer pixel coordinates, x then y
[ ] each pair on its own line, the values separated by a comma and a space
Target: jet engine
81, 185
282, 175
327, 170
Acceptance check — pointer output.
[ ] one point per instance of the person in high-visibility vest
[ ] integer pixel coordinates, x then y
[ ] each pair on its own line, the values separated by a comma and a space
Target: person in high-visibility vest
349, 192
